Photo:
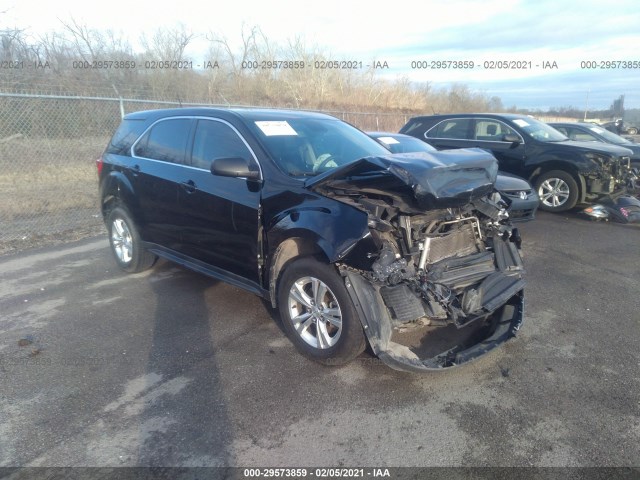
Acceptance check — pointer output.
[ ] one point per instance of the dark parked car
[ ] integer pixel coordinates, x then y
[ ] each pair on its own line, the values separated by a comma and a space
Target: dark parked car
522, 197
350, 243
589, 132
620, 128
564, 172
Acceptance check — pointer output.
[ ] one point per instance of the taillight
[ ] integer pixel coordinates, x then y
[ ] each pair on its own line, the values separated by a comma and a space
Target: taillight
99, 164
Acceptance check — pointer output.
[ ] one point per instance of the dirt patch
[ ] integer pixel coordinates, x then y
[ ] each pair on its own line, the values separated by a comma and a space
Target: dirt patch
28, 241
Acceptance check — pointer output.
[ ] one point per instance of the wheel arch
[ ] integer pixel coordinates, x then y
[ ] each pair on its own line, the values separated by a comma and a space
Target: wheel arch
117, 190
312, 231
565, 167
287, 250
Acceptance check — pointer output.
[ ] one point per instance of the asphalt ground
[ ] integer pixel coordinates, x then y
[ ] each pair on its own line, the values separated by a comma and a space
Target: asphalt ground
172, 368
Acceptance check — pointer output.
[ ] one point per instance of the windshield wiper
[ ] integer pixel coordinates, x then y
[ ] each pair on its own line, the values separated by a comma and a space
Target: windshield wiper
303, 174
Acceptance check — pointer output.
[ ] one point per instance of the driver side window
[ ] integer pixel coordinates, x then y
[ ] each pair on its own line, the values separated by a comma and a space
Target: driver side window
215, 139
491, 130
581, 136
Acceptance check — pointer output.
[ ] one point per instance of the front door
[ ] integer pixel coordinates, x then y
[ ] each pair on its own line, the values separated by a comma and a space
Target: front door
488, 133
221, 214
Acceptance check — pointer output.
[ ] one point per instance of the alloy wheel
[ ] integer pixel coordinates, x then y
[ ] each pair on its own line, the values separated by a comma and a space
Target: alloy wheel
315, 313
554, 192
121, 240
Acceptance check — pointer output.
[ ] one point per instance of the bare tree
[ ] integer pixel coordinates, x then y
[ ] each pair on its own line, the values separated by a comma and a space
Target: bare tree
168, 43
86, 41
235, 61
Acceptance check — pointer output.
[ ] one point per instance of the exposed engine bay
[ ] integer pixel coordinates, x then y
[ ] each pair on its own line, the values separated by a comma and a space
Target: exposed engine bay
453, 266
456, 265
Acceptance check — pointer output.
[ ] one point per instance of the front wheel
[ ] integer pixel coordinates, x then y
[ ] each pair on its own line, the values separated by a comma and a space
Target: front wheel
126, 244
558, 191
632, 131
318, 314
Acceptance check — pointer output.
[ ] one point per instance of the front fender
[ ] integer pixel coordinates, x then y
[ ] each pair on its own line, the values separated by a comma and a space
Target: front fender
335, 229
561, 159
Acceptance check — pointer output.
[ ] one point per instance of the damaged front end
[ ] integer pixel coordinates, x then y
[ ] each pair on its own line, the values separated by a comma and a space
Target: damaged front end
623, 206
610, 176
439, 280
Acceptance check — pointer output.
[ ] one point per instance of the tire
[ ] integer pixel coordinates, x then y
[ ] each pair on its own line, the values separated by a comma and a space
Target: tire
558, 191
125, 242
632, 131
324, 326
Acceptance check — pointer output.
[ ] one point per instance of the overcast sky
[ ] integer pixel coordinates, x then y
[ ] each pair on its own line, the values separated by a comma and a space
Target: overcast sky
565, 32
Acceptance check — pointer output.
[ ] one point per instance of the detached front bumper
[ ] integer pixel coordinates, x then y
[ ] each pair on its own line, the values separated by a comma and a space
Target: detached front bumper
503, 325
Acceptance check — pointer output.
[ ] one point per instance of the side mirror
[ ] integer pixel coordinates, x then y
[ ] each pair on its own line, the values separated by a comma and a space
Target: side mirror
511, 138
233, 167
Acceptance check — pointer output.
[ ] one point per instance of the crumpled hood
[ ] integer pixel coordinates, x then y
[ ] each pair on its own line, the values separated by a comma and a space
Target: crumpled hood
616, 150
443, 179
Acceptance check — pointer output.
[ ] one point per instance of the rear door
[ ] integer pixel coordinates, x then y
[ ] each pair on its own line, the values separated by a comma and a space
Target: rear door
221, 214
451, 133
158, 161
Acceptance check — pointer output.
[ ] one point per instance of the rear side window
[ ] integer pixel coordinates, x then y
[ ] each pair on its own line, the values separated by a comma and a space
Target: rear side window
215, 139
127, 133
452, 128
166, 141
413, 126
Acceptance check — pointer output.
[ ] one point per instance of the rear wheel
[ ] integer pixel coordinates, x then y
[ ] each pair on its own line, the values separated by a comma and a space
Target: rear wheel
558, 191
126, 244
318, 314
632, 131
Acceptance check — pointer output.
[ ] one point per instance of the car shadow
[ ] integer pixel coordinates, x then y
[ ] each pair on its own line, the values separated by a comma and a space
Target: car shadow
189, 412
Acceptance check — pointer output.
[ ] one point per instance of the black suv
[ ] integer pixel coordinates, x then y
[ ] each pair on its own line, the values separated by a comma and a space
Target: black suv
590, 132
564, 172
349, 242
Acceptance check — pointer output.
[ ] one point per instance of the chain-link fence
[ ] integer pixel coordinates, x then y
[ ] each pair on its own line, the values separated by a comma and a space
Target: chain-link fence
48, 148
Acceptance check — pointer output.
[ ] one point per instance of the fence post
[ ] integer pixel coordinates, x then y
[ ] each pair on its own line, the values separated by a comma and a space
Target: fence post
120, 100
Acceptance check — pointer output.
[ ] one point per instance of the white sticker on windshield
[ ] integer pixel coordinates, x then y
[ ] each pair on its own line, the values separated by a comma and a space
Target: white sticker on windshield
272, 128
388, 140
520, 122
596, 129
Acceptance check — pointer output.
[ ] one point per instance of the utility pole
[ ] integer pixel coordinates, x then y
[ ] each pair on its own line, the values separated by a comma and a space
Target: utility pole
586, 106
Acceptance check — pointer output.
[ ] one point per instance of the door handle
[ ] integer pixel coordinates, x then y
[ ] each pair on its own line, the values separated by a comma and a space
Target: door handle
189, 186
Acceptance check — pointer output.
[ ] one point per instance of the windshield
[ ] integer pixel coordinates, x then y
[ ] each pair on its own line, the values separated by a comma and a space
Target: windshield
610, 136
538, 130
309, 146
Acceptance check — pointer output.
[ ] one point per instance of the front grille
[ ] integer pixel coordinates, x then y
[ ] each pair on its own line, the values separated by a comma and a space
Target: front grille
516, 193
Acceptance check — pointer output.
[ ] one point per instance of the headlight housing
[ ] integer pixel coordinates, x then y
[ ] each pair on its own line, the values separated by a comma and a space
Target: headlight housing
599, 158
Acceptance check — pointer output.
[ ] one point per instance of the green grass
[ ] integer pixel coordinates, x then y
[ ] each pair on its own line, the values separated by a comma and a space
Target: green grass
40, 175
